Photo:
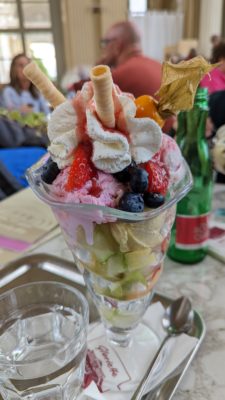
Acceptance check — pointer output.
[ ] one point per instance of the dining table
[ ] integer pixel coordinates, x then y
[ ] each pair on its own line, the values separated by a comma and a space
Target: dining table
204, 284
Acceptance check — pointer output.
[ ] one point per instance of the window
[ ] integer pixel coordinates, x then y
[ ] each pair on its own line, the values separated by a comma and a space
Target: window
137, 6
27, 26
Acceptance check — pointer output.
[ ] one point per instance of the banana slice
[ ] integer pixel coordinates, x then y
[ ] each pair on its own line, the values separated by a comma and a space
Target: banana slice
156, 223
137, 236
143, 239
119, 232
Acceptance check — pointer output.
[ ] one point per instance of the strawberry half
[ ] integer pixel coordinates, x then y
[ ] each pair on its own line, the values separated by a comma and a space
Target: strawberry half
82, 168
158, 178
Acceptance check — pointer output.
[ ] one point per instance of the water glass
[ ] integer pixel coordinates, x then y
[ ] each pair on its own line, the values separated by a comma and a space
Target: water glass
43, 341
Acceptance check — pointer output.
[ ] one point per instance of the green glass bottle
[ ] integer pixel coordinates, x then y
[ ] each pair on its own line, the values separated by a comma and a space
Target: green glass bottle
191, 230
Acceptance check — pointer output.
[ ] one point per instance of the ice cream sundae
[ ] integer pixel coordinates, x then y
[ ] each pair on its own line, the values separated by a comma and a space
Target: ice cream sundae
112, 179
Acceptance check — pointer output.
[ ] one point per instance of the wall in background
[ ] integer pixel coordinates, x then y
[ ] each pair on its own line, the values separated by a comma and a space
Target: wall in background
84, 23
211, 20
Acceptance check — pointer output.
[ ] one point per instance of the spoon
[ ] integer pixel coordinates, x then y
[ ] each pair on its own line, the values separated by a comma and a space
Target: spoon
178, 318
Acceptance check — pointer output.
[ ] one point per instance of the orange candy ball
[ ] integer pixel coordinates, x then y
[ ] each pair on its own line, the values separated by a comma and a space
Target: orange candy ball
147, 107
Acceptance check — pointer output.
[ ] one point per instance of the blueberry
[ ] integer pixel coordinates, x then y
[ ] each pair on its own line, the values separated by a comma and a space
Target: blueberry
132, 202
153, 200
124, 175
139, 180
49, 171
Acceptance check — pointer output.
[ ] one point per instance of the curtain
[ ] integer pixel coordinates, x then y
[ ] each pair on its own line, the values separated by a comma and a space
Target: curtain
162, 4
191, 10
159, 29
210, 24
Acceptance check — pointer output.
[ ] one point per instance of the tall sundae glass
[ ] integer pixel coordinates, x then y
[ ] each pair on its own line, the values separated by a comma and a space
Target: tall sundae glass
112, 180
119, 253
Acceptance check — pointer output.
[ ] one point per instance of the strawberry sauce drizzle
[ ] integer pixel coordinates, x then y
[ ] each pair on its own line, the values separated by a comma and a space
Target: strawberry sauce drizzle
81, 125
119, 115
95, 189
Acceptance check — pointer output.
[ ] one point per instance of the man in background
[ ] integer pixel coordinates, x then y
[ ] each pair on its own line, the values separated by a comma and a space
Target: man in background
131, 70
215, 40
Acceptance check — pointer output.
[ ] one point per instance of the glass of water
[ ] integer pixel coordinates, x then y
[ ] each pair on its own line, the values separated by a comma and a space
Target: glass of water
43, 341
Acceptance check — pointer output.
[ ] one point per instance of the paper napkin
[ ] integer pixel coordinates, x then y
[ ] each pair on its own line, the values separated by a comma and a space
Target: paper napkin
113, 373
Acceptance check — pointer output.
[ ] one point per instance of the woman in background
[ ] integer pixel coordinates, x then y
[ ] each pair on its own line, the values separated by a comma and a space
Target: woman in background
215, 80
20, 146
21, 94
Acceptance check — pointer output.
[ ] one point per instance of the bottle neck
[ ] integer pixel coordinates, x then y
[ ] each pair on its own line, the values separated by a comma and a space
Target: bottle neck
201, 98
192, 124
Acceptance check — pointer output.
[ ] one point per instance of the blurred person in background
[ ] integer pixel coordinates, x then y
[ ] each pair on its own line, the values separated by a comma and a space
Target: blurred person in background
191, 54
20, 144
215, 40
217, 109
217, 116
21, 94
131, 70
215, 80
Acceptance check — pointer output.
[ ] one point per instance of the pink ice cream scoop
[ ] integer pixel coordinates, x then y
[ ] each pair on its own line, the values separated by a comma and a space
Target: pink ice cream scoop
171, 156
104, 190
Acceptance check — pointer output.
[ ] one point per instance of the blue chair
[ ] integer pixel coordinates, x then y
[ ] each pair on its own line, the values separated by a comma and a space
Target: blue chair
17, 160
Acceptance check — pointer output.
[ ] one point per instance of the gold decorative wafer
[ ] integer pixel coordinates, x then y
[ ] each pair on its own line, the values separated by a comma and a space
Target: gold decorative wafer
43, 84
103, 87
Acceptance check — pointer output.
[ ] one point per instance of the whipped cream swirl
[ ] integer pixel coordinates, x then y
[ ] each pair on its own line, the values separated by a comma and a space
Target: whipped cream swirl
113, 149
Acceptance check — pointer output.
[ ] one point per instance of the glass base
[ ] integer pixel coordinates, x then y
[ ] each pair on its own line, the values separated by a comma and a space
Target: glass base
119, 337
135, 337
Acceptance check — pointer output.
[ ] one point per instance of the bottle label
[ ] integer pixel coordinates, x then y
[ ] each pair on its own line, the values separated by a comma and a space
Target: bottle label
192, 231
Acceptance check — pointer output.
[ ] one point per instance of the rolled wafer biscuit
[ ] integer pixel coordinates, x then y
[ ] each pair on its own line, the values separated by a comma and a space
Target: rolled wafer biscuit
44, 85
103, 86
